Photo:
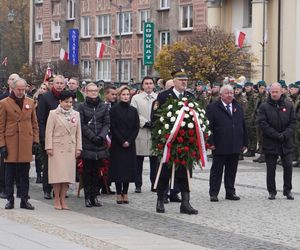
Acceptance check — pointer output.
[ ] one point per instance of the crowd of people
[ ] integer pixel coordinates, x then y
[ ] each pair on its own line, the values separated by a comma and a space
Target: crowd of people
110, 135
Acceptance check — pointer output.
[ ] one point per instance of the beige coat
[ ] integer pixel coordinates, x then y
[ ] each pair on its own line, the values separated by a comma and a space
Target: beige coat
143, 104
18, 129
64, 137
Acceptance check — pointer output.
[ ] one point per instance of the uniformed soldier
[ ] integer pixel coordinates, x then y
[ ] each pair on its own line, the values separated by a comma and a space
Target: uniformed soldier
215, 92
200, 94
249, 119
285, 92
260, 98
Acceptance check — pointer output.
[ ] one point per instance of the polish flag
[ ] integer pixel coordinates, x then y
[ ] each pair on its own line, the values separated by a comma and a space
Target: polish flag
5, 61
100, 50
240, 38
48, 74
63, 55
112, 41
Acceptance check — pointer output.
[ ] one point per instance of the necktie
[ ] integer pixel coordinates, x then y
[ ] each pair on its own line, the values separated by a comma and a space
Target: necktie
228, 109
180, 96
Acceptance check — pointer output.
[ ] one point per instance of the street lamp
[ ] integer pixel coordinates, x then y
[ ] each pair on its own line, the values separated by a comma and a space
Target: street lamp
120, 7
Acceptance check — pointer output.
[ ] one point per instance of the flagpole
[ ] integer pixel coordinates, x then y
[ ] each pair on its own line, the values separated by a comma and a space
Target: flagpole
263, 41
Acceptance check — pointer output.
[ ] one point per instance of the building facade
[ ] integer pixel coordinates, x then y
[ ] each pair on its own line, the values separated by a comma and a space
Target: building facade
272, 29
103, 21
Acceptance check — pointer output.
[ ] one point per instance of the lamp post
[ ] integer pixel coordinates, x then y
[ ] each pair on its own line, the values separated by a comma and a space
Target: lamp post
120, 8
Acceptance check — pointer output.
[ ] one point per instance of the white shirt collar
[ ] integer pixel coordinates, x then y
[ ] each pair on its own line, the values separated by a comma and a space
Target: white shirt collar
177, 93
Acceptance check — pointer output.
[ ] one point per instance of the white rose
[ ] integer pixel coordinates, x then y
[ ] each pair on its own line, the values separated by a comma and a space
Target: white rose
169, 114
170, 106
186, 116
173, 119
203, 111
186, 109
200, 121
207, 122
161, 119
202, 116
159, 132
190, 125
196, 104
191, 105
191, 113
167, 126
184, 99
182, 124
177, 112
203, 127
180, 103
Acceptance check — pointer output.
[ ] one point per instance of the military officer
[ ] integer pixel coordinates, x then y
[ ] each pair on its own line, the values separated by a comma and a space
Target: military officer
200, 94
215, 92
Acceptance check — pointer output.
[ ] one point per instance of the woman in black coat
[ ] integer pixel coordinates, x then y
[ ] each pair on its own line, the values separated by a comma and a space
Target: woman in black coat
124, 129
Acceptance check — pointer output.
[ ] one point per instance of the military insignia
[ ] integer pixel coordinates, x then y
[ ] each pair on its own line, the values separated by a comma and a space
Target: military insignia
155, 105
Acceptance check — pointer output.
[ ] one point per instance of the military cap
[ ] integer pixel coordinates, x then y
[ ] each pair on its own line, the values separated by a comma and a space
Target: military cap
248, 84
282, 83
261, 83
297, 83
238, 86
294, 85
198, 83
180, 74
214, 84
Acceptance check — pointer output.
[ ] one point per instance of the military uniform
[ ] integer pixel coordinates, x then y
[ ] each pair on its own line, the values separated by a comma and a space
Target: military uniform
201, 96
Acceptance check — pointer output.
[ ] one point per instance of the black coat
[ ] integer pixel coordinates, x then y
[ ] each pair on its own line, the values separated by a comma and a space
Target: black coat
229, 133
275, 118
163, 96
95, 124
124, 127
46, 102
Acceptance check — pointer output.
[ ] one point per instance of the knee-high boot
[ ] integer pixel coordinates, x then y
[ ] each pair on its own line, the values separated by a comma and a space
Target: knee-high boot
186, 207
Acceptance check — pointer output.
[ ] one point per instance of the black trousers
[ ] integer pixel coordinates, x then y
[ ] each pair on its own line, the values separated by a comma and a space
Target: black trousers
91, 178
163, 185
11, 170
38, 164
122, 187
153, 169
216, 172
287, 165
2, 176
47, 188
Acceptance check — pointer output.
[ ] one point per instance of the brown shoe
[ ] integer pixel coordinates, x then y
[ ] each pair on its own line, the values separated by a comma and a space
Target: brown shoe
125, 198
119, 199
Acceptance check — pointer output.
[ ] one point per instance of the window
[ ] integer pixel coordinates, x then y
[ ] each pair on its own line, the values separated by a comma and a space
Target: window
103, 70
70, 9
55, 30
124, 23
142, 69
38, 1
144, 16
247, 13
125, 70
164, 38
85, 26
38, 32
103, 25
86, 69
164, 4
187, 17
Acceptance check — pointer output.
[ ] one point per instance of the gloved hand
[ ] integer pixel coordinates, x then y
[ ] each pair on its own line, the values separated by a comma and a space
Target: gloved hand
3, 152
148, 124
35, 148
281, 137
98, 141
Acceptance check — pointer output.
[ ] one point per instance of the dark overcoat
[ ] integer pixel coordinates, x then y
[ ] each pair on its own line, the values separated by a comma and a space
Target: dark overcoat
124, 127
228, 132
274, 118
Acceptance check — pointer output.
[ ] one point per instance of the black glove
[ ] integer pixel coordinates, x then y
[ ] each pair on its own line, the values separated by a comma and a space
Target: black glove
98, 141
35, 148
148, 125
3, 152
281, 137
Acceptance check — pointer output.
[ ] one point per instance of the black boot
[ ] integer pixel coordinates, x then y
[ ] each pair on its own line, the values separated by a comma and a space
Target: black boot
186, 207
26, 205
96, 203
10, 205
88, 203
160, 207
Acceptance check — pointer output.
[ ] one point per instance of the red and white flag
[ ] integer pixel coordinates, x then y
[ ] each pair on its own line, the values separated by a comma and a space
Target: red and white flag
240, 38
100, 50
5, 61
48, 74
112, 41
63, 55
266, 37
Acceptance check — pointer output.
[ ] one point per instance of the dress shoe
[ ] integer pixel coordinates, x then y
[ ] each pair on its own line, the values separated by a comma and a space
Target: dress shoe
232, 197
260, 159
3, 195
214, 198
166, 199
39, 179
289, 196
9, 205
272, 196
138, 190
26, 205
96, 203
160, 208
47, 196
88, 203
174, 198
250, 153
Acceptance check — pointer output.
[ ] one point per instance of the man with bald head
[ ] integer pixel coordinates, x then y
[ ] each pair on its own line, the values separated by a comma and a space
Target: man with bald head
276, 118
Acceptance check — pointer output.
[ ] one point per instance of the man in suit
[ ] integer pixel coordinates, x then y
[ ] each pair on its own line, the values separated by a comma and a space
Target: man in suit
228, 140
18, 123
276, 119
181, 181
48, 101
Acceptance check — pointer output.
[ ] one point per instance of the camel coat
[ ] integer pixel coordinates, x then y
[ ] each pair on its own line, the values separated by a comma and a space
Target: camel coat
18, 129
64, 137
143, 104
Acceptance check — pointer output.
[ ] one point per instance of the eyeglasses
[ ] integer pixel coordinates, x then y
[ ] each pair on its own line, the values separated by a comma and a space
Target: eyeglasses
93, 90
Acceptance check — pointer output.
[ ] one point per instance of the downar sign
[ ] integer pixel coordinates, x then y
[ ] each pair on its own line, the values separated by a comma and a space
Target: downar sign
148, 43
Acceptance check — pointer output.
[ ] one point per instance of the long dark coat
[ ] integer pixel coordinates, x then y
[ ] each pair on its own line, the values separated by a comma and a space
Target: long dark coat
275, 118
125, 122
229, 133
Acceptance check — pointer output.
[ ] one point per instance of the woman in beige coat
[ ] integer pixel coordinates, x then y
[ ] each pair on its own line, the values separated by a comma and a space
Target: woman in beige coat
63, 146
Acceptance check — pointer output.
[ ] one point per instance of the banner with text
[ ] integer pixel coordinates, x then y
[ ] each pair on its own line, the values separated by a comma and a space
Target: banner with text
73, 46
148, 43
